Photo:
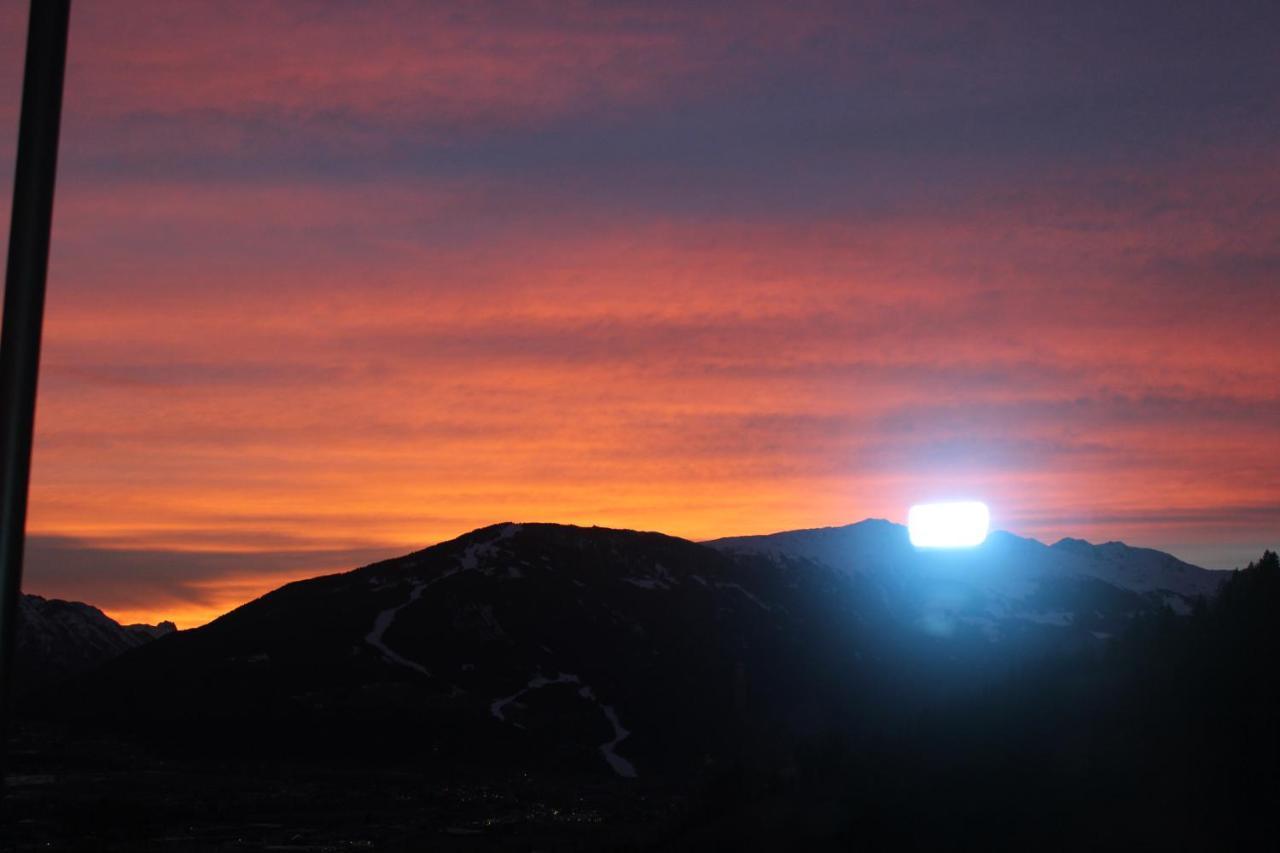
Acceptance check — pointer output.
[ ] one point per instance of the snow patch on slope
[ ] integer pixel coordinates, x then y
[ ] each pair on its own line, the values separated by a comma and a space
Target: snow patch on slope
661, 578
617, 763
469, 560
384, 620
739, 588
646, 583
1061, 619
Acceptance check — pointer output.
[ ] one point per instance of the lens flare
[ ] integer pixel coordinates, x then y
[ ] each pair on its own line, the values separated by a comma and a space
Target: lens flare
962, 524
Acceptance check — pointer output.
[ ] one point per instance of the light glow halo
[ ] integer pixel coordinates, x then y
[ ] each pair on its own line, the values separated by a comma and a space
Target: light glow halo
956, 524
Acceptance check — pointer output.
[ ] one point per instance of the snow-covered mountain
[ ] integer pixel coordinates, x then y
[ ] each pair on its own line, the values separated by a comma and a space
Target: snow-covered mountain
876, 546
620, 652
1006, 577
58, 639
1138, 569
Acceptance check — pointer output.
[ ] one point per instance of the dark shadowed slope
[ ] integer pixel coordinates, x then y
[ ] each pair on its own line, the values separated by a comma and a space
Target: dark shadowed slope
621, 651
1165, 738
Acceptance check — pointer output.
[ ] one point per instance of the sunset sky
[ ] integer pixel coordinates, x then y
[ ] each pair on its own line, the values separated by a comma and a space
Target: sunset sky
331, 281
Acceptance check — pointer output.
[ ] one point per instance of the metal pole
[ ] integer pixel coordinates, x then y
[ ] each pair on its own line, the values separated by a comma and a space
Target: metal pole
24, 301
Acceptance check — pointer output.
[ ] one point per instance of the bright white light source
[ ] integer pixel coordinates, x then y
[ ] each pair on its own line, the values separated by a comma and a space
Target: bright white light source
951, 525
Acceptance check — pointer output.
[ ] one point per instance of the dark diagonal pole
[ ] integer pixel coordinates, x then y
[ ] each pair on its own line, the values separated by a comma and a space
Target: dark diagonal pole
24, 301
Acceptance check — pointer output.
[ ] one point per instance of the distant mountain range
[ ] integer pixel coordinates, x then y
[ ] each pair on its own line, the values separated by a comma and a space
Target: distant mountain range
614, 651
876, 545
59, 639
1006, 578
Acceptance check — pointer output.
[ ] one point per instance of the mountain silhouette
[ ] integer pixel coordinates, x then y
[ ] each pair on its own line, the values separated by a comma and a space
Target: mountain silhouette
621, 652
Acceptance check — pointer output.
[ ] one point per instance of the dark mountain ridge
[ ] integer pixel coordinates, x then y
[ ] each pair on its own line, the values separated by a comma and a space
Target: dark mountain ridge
597, 646
612, 650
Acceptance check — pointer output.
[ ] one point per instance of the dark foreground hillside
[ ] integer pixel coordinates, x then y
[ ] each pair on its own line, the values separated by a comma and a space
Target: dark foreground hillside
1166, 738
550, 687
